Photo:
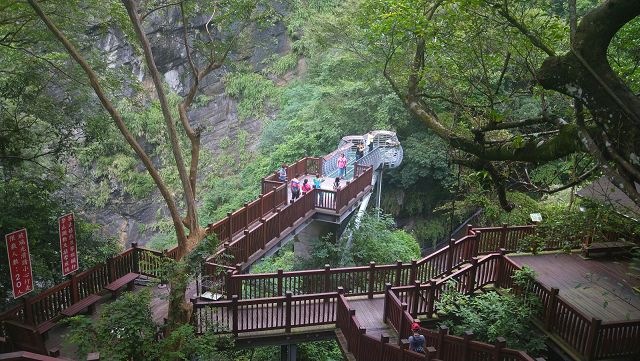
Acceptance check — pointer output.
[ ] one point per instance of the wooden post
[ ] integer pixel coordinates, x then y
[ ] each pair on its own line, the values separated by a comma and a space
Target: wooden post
430, 353
228, 284
338, 320
246, 216
500, 268
431, 295
350, 314
75, 294
384, 340
327, 278
442, 333
385, 308
404, 345
550, 312
230, 226
28, 311
590, 351
234, 313
275, 205
471, 279
403, 322
277, 222
280, 274
111, 269
466, 348
416, 297
372, 275
263, 232
475, 243
503, 236
136, 257
452, 243
497, 350
244, 249
398, 272
414, 271
261, 202
288, 298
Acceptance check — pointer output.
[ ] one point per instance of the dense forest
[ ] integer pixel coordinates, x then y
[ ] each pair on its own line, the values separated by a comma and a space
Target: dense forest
152, 119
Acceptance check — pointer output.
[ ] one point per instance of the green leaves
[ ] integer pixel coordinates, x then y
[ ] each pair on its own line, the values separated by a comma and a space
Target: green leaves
491, 315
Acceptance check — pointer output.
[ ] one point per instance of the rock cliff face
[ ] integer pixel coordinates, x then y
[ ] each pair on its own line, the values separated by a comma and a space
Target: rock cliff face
128, 219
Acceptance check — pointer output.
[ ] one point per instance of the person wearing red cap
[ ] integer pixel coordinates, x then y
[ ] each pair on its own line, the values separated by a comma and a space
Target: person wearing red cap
416, 342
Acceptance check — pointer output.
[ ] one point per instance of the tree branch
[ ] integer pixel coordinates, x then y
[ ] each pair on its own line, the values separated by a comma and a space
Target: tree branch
536, 41
115, 115
192, 214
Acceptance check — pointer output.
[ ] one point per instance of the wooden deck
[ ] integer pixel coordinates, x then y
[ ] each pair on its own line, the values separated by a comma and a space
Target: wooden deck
599, 288
369, 313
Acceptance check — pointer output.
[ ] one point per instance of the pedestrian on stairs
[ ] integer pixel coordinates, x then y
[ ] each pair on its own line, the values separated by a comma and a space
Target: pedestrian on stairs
282, 173
416, 342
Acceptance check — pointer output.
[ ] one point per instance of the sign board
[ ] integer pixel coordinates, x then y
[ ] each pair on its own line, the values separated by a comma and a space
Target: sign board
19, 262
68, 246
536, 217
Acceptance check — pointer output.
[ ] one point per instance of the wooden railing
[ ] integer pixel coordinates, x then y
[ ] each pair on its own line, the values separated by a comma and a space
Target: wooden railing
363, 280
506, 237
46, 306
252, 227
273, 313
446, 347
589, 337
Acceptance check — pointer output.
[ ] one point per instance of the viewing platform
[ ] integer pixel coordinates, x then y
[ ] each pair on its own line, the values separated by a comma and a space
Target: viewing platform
368, 308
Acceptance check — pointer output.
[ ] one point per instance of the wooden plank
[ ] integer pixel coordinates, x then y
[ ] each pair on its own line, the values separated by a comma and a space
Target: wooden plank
599, 288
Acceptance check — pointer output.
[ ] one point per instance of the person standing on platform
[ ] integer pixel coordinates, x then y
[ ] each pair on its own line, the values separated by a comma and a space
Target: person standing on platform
342, 166
336, 184
317, 182
360, 151
295, 188
306, 186
370, 141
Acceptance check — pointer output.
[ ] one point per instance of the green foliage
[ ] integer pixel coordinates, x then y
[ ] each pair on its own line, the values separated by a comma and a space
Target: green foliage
125, 331
282, 64
253, 91
35, 206
125, 327
491, 315
320, 351
429, 232
598, 222
307, 351
377, 240
285, 260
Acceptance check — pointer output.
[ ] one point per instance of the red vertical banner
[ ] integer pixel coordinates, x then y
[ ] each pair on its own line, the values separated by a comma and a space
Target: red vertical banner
19, 262
68, 248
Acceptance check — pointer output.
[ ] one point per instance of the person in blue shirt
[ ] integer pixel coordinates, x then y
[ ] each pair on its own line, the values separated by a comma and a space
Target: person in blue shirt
416, 342
282, 173
317, 181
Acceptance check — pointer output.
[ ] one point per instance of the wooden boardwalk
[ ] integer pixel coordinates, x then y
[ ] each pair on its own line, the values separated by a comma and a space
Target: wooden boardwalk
370, 314
599, 288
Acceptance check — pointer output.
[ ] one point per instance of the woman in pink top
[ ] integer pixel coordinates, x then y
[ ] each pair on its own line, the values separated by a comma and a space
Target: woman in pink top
342, 166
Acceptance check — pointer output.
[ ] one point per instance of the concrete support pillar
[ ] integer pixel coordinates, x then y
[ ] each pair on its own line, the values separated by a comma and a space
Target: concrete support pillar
288, 352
